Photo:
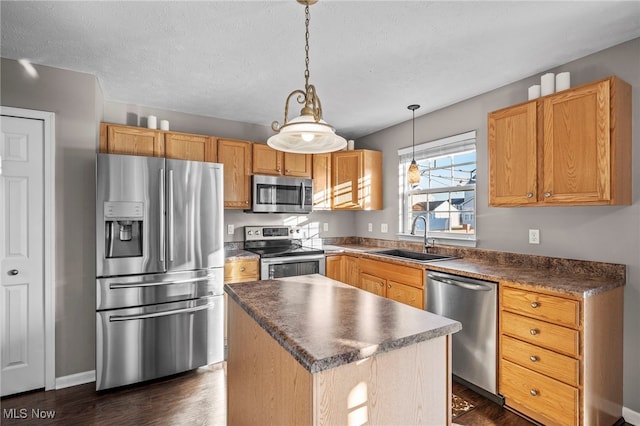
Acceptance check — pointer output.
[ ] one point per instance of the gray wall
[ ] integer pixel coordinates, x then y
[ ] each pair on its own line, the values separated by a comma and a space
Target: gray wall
76, 99
608, 234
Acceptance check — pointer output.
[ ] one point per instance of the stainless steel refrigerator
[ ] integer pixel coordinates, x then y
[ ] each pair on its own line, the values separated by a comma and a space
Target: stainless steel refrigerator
159, 267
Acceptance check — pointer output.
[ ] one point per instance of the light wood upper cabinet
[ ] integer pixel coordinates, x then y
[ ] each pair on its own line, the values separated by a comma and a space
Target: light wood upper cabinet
130, 140
269, 161
236, 157
357, 180
322, 188
513, 156
185, 146
582, 155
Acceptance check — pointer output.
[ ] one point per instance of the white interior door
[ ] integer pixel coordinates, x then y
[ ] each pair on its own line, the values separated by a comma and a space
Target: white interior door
22, 362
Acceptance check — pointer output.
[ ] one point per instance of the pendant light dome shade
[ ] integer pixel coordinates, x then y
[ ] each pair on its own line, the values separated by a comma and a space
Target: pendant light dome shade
305, 135
308, 133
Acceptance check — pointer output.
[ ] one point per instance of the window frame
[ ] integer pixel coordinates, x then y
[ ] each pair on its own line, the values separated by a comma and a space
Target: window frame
456, 144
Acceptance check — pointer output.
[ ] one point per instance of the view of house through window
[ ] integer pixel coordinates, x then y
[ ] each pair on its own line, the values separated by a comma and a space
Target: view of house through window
445, 195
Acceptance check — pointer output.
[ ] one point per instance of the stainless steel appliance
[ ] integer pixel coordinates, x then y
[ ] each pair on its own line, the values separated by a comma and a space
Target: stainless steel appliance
282, 253
159, 267
277, 194
473, 303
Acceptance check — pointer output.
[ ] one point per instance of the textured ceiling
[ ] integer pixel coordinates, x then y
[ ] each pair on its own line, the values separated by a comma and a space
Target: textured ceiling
239, 60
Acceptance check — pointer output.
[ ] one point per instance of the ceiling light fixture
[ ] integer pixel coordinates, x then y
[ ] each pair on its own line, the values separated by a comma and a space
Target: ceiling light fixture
413, 174
308, 133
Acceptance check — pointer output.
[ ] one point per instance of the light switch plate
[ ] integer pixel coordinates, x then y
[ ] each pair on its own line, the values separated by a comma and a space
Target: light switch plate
325, 226
230, 229
370, 227
384, 227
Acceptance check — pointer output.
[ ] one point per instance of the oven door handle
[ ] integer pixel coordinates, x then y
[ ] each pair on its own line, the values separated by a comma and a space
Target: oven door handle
113, 318
291, 259
115, 286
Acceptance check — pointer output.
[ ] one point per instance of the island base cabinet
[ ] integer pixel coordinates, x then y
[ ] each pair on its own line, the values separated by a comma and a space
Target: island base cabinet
267, 386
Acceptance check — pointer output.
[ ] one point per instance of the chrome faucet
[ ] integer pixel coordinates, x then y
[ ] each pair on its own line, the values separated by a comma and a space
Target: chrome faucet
427, 243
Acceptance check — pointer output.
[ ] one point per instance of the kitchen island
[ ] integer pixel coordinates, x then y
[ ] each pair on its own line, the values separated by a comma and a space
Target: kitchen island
311, 350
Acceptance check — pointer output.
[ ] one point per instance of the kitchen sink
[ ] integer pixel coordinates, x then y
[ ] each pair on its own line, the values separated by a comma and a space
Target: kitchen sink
413, 255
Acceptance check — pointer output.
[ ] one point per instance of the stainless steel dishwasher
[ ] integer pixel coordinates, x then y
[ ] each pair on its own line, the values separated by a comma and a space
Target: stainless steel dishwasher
473, 303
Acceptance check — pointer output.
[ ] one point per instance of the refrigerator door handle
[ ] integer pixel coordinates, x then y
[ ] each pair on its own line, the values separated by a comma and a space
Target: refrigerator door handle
170, 211
115, 286
158, 314
162, 224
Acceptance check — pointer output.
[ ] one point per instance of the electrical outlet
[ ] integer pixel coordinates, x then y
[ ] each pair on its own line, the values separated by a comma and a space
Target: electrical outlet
370, 227
325, 227
384, 227
231, 229
534, 236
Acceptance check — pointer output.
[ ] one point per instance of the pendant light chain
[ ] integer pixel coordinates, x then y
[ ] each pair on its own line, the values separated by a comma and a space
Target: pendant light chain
307, 17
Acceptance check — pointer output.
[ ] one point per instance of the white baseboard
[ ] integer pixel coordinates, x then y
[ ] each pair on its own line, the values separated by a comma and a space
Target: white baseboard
631, 416
75, 379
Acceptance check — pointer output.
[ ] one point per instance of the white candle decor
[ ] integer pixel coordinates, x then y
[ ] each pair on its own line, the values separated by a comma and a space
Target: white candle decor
534, 91
563, 81
350, 145
152, 122
164, 124
547, 84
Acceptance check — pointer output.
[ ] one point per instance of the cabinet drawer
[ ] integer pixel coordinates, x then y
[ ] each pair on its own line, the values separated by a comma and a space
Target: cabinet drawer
550, 336
241, 270
391, 271
543, 398
542, 306
549, 363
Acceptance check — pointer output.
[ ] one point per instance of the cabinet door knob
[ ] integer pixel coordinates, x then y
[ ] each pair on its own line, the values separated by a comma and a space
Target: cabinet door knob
13, 272
533, 392
533, 358
381, 284
529, 194
388, 285
242, 268
547, 194
533, 331
534, 305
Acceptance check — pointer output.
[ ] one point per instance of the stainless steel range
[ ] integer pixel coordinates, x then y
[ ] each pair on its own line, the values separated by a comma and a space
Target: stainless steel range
282, 253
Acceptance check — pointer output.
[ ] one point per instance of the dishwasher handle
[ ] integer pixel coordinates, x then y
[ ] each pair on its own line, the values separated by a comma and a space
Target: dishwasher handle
466, 283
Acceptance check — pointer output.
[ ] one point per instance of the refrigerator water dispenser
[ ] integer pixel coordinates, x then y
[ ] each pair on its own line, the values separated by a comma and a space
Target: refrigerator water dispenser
123, 228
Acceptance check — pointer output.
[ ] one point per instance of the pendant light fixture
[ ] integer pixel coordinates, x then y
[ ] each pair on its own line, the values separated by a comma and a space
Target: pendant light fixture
413, 174
308, 133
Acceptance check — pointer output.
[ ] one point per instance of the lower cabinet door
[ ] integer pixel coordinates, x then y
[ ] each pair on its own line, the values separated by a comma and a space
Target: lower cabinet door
540, 397
406, 294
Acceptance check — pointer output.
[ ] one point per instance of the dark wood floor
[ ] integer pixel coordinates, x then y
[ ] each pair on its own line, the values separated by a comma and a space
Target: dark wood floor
194, 398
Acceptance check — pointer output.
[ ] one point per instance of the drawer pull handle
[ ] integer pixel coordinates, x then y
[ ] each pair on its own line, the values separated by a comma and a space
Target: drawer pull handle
533, 358
533, 331
242, 269
534, 305
533, 392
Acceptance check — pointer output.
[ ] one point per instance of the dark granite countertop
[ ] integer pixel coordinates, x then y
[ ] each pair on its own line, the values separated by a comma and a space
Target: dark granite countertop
573, 277
323, 323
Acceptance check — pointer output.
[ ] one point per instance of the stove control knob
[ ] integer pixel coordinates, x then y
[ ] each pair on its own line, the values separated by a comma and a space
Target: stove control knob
258, 232
250, 232
291, 231
297, 231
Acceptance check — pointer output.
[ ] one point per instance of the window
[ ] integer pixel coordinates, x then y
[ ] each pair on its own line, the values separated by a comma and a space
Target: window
446, 193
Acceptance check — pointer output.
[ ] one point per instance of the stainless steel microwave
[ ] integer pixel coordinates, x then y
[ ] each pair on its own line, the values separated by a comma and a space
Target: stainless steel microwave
277, 194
